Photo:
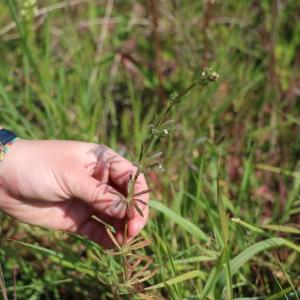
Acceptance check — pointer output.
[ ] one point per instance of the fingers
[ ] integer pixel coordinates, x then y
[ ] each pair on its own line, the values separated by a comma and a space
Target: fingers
94, 231
72, 216
114, 169
99, 196
138, 221
139, 217
75, 216
117, 170
136, 224
112, 173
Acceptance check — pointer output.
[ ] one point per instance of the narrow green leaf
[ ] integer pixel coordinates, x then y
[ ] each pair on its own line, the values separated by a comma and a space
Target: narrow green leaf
273, 227
242, 258
222, 215
225, 235
277, 170
35, 284
177, 279
282, 228
2, 285
195, 259
247, 225
250, 298
182, 222
280, 294
214, 274
287, 276
60, 258
228, 276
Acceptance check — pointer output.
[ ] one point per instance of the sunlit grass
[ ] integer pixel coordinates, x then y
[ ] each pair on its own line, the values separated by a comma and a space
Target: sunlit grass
224, 217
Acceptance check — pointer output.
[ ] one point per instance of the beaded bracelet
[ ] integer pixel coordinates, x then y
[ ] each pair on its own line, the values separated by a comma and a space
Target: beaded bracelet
7, 138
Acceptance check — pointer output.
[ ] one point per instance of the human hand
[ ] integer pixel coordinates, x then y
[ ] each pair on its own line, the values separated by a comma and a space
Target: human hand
61, 184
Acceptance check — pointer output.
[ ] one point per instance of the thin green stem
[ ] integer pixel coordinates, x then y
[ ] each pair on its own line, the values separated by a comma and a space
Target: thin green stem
125, 270
147, 146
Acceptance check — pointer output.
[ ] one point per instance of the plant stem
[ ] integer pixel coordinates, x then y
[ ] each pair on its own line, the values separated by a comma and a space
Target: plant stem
125, 270
147, 146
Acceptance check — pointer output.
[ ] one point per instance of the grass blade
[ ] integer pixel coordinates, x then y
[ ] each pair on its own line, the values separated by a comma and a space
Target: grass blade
2, 285
182, 222
177, 279
281, 228
222, 215
225, 237
214, 274
287, 276
242, 258
280, 294
247, 225
60, 258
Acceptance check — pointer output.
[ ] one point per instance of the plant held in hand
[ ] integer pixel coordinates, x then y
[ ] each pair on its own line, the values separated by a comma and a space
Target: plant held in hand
136, 267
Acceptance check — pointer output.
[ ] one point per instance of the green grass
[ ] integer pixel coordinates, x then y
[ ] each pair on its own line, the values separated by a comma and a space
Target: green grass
225, 216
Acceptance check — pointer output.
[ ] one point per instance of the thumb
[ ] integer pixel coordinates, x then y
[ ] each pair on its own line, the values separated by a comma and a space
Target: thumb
100, 196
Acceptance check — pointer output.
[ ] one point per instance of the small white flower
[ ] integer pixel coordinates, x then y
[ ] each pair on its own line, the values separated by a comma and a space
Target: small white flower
215, 75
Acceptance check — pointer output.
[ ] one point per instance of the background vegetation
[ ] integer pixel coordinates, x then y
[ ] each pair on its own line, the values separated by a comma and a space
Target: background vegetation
98, 71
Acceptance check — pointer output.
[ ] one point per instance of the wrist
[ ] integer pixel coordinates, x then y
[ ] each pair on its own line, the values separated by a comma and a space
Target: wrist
7, 142
10, 168
7, 138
